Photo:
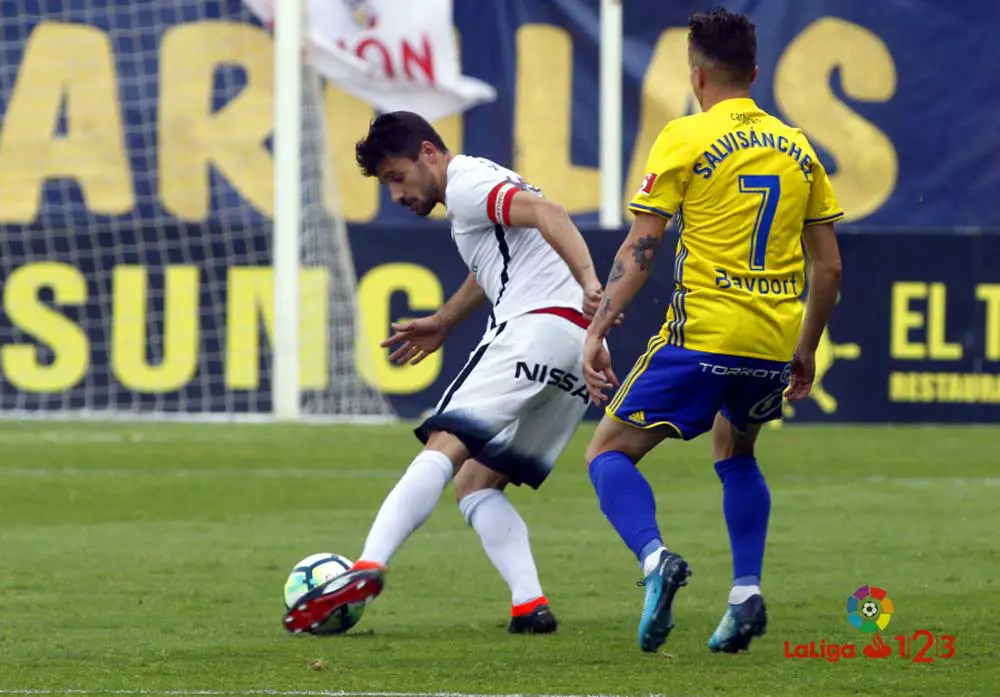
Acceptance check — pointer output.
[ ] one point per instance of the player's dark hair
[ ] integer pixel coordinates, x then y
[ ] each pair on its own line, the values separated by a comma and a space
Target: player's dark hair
396, 134
727, 38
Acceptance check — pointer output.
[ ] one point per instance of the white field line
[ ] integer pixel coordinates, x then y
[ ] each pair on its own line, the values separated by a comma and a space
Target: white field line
934, 481
84, 436
337, 473
273, 693
957, 482
180, 473
83, 416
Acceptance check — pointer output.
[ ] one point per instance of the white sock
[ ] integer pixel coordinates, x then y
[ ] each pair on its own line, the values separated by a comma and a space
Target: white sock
651, 560
740, 594
408, 505
505, 539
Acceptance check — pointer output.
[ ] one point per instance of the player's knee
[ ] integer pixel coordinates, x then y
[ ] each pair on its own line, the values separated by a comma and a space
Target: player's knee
633, 443
449, 445
474, 476
725, 448
464, 487
603, 440
736, 449
728, 441
593, 450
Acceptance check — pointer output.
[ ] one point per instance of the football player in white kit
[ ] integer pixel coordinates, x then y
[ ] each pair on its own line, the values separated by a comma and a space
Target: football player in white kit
512, 409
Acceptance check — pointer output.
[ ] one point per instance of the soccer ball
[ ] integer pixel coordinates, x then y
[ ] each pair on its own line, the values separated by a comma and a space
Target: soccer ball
313, 571
869, 609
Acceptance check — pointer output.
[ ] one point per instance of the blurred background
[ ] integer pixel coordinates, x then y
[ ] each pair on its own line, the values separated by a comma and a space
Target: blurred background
145, 270
137, 198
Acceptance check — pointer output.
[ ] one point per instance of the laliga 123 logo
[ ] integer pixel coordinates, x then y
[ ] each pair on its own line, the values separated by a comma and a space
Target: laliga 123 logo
870, 609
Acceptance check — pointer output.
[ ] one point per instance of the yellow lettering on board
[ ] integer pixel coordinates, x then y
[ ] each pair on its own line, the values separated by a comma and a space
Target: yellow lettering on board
989, 293
904, 319
251, 297
543, 116
194, 137
176, 354
28, 313
67, 70
666, 95
375, 291
347, 120
938, 347
866, 164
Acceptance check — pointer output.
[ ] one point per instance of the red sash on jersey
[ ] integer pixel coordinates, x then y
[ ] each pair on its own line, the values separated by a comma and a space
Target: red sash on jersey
574, 316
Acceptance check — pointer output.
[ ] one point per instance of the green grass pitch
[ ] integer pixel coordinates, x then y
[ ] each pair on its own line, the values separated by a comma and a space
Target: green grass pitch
150, 558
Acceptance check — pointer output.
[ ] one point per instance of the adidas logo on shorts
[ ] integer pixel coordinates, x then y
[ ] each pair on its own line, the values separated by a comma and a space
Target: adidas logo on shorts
638, 417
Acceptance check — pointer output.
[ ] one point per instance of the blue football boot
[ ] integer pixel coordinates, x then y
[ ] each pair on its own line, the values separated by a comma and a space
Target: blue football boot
739, 625
661, 584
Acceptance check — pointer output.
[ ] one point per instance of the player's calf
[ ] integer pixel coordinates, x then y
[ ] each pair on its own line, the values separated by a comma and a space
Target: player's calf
504, 535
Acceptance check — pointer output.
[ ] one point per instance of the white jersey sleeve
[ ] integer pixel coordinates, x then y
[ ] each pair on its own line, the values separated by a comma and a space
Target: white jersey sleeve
515, 266
482, 195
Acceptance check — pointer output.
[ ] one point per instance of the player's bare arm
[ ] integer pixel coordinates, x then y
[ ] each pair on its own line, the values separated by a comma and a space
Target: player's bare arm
629, 272
562, 235
462, 303
824, 285
422, 337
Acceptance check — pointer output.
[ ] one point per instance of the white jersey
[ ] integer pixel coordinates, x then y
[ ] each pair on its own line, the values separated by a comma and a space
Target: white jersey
515, 266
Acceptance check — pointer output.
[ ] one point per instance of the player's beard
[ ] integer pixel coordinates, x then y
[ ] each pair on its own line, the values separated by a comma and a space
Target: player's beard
425, 205
428, 197
421, 205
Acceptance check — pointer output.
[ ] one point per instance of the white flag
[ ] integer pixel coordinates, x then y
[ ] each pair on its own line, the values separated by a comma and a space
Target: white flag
393, 54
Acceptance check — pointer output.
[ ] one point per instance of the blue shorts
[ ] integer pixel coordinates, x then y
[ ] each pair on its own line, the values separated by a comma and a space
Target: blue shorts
685, 389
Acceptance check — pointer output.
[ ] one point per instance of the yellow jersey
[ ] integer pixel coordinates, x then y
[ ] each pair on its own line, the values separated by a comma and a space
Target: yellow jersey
741, 186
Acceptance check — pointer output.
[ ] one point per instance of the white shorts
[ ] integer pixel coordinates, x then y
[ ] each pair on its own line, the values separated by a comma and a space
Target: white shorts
519, 398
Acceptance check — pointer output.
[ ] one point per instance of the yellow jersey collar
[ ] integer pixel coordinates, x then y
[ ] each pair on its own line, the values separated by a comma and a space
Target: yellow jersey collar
743, 103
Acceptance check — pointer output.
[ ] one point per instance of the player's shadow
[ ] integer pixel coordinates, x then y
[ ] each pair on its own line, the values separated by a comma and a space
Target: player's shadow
360, 634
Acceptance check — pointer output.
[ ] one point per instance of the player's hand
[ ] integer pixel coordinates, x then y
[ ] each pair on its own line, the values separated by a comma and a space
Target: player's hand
419, 337
597, 372
592, 298
803, 374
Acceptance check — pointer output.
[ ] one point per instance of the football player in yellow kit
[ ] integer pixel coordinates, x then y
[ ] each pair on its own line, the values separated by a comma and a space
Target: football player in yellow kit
745, 191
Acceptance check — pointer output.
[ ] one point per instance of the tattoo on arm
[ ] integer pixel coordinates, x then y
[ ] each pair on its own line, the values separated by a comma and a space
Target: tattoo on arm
617, 271
605, 308
644, 252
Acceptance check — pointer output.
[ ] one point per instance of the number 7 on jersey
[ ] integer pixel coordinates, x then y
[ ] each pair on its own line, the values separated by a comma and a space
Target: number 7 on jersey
768, 187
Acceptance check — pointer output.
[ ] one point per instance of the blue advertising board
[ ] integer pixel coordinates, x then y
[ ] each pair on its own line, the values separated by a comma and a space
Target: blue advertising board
143, 110
136, 175
915, 336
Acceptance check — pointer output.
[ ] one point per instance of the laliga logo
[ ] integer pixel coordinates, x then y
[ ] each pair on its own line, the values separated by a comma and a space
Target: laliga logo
870, 610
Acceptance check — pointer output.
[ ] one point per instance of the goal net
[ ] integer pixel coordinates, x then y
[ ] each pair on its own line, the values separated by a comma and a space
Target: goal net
137, 221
